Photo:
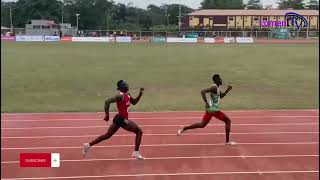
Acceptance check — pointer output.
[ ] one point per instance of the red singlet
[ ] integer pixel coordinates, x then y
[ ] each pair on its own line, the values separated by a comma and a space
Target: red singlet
123, 105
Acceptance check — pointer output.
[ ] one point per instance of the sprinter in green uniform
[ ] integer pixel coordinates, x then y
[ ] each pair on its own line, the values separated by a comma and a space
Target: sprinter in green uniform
213, 108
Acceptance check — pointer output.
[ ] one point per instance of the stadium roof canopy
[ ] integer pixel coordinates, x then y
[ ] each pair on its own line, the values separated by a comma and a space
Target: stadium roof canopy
238, 12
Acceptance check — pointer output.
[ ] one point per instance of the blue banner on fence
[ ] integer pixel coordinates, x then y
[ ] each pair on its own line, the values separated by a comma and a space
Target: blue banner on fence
30, 38
51, 38
123, 39
22, 38
36, 38
182, 40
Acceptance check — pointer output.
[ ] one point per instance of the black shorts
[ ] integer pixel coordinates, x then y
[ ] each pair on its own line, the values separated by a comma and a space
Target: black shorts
120, 121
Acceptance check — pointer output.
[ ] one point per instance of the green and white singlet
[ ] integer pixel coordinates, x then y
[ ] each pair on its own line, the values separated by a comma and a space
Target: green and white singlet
214, 101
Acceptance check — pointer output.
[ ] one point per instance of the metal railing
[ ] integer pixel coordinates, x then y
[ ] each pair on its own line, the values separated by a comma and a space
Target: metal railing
200, 34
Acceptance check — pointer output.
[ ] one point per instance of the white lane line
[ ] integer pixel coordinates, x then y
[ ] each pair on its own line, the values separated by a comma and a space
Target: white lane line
177, 125
128, 135
167, 174
158, 145
186, 157
151, 118
161, 112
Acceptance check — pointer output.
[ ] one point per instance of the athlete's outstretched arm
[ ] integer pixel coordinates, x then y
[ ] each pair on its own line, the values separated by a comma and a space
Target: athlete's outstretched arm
134, 101
108, 102
204, 91
226, 92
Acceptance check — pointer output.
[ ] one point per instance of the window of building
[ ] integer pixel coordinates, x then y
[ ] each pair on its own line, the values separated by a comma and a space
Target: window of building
230, 18
256, 19
265, 19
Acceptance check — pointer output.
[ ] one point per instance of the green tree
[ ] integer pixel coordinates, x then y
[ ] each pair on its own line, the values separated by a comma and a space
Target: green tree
254, 4
94, 14
145, 20
222, 4
103, 12
173, 10
157, 15
164, 28
294, 4
313, 4
5, 12
26, 10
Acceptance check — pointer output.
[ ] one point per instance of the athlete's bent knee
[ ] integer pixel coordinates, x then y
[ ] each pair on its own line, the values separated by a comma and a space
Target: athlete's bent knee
227, 121
139, 132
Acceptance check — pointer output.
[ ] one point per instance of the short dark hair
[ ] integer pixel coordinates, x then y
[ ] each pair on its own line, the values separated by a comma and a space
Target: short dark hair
121, 84
215, 77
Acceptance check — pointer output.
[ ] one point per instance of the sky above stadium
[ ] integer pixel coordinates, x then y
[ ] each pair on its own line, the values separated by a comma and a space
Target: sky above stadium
195, 4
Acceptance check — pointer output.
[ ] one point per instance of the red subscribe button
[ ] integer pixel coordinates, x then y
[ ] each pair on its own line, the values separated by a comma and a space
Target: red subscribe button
39, 160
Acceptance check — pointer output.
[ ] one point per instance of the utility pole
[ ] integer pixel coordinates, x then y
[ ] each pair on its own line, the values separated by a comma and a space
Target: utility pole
11, 25
62, 17
78, 21
107, 21
167, 16
179, 18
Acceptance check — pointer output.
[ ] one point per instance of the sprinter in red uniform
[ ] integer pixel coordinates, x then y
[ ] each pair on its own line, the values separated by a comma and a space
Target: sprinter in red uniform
123, 100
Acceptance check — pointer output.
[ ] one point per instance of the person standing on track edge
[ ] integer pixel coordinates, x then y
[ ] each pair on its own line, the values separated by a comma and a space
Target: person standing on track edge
213, 108
123, 100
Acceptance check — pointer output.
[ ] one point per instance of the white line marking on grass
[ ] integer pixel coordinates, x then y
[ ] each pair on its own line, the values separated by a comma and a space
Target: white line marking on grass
87, 127
166, 174
127, 135
157, 145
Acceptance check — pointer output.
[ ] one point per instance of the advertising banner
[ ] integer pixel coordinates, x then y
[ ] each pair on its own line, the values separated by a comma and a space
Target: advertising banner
51, 38
244, 40
158, 40
182, 40
8, 38
22, 38
123, 39
91, 39
36, 38
66, 39
209, 40
229, 40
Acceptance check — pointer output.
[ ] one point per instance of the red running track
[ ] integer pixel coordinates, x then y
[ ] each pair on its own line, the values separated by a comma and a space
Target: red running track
271, 145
